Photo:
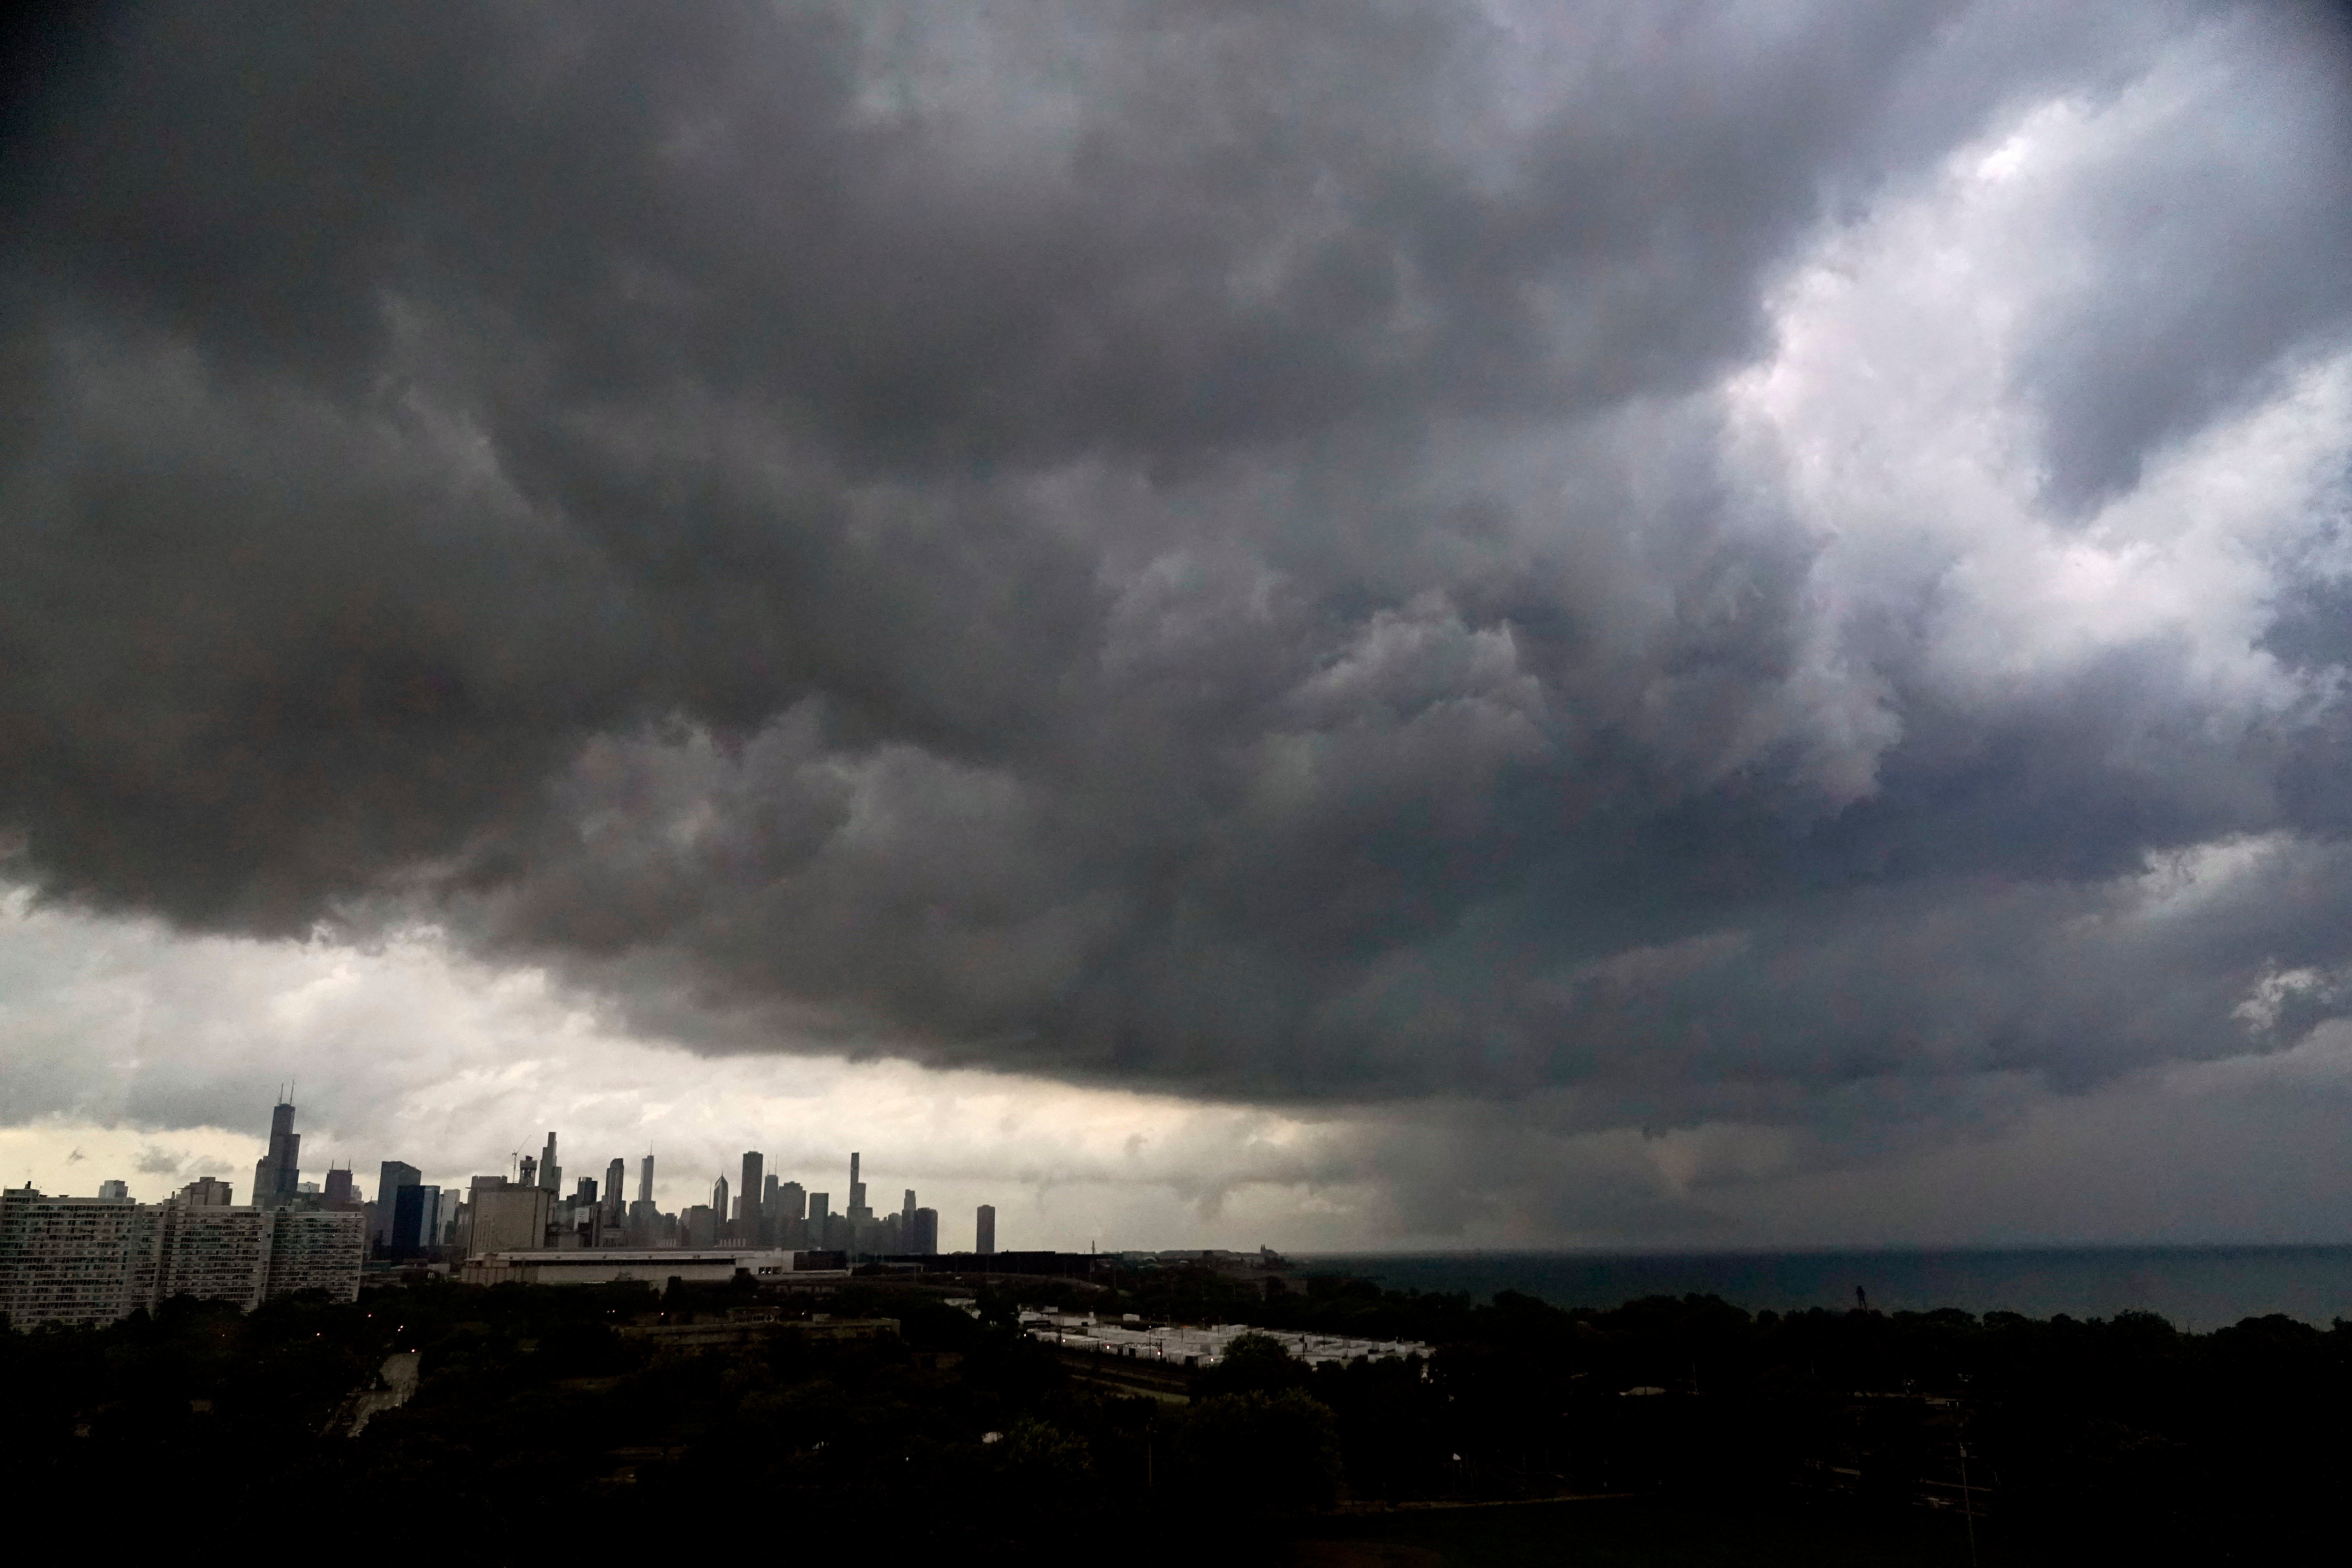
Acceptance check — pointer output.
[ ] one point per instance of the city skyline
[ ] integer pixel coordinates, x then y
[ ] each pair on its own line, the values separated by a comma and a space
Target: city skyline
402, 1225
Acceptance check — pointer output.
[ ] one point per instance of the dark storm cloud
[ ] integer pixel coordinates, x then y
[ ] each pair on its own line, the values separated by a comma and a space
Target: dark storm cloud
1177, 544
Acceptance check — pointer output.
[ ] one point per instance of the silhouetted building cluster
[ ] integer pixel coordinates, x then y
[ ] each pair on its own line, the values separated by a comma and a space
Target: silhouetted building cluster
765, 1211
754, 1211
76, 1260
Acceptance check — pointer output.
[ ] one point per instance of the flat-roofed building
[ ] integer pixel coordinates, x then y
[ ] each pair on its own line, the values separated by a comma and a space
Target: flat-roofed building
394, 1175
611, 1265
320, 1249
416, 1219
789, 1214
218, 1253
90, 1261
67, 1260
206, 1193
501, 1217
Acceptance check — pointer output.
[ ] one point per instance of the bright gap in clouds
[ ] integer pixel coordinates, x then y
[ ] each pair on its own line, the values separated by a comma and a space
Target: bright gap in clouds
114, 1029
130, 1051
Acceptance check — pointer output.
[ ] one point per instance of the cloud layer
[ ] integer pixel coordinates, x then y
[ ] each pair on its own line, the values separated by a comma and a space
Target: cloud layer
1769, 575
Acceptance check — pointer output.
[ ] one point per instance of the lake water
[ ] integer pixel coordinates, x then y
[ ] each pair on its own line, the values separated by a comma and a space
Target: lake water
2195, 1286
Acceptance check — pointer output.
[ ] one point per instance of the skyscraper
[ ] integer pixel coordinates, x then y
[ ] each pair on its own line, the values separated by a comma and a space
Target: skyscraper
858, 1209
340, 1191
616, 1177
114, 1192
550, 1175
416, 1218
906, 1209
749, 1231
718, 1199
984, 1241
504, 1217
645, 1220
277, 1175
390, 1176
923, 1236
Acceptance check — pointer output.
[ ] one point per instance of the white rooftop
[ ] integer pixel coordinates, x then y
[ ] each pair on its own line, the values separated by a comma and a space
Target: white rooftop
1204, 1346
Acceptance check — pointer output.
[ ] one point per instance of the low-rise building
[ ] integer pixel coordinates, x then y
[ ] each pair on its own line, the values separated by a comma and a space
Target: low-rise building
1187, 1345
735, 1330
613, 1265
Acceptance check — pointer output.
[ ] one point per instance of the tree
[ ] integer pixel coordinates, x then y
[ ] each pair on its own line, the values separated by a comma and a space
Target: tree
1255, 1363
1255, 1453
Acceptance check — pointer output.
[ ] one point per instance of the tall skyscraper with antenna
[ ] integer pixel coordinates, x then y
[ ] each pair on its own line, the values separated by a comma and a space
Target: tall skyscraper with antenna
277, 1175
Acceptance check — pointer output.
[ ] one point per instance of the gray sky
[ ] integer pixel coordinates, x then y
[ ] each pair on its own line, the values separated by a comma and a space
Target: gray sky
1335, 624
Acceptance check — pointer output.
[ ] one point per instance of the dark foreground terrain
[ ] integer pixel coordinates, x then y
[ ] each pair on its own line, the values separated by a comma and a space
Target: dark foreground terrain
716, 1420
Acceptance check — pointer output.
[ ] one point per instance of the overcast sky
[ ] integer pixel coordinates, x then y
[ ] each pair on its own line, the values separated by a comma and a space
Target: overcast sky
1332, 624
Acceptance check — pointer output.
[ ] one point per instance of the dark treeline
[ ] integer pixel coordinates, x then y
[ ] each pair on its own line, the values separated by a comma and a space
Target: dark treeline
538, 1420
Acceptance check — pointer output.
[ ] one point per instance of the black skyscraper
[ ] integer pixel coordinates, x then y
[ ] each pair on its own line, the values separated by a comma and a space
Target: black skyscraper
391, 1177
747, 1229
277, 1175
416, 1218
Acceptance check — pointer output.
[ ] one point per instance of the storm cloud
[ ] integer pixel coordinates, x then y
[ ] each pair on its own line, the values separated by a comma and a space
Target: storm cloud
1554, 571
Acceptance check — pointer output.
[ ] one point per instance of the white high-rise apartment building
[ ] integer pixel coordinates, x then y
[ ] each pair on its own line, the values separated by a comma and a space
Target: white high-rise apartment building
91, 1260
315, 1250
211, 1251
67, 1260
